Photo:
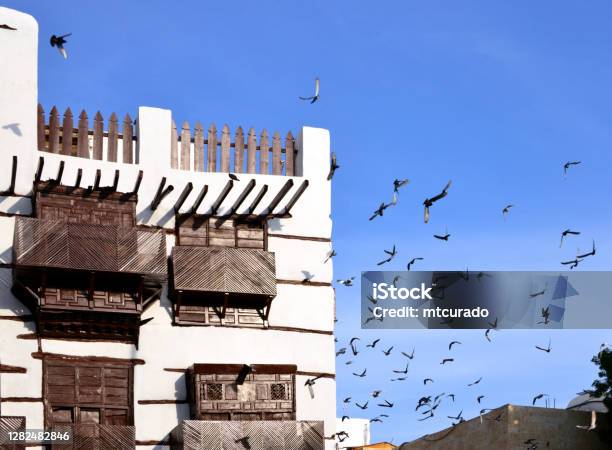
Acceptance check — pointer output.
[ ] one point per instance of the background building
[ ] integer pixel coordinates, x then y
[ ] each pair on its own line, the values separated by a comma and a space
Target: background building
143, 291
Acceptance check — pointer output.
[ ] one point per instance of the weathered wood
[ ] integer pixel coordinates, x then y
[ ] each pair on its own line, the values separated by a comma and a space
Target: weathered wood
98, 136
127, 140
54, 130
40, 128
277, 167
212, 148
289, 155
173, 146
198, 148
67, 133
83, 136
251, 151
113, 137
185, 146
264, 153
225, 149
239, 151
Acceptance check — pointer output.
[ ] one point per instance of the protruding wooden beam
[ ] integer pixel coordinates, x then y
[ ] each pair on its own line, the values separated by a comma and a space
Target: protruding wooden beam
242, 197
199, 200
161, 193
41, 165
257, 199
217, 204
281, 194
179, 202
116, 181
77, 183
295, 198
96, 184
11, 189
244, 372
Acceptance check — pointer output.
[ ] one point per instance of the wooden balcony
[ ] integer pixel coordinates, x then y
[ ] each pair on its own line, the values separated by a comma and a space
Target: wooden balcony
87, 281
238, 435
224, 280
9, 424
93, 436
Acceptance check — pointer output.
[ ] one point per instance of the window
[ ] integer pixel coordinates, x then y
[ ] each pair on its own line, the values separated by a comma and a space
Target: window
88, 392
214, 232
278, 392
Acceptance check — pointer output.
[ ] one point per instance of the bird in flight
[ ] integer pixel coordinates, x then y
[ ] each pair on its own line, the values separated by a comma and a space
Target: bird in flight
342, 351
409, 356
364, 406
307, 276
4, 26
591, 253
480, 397
315, 97
362, 374
450, 346
391, 254
487, 334
447, 360
387, 404
475, 382
388, 351
412, 261
233, 177
330, 255
333, 165
427, 379
373, 344
567, 165
565, 233
398, 184
381, 208
376, 393
506, 210
310, 382
353, 345
59, 41
536, 398
573, 263
545, 315
348, 282
547, 349
405, 371
430, 201
457, 417
443, 237
538, 293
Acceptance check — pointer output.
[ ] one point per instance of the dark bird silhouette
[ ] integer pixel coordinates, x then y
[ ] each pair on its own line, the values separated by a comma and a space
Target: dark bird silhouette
480, 397
591, 253
372, 299
347, 400
423, 401
362, 374
353, 345
573, 263
345, 417
399, 379
547, 349
388, 351
244, 441
545, 315
475, 382
310, 382
412, 261
315, 97
59, 41
506, 210
376, 419
450, 346
333, 166
567, 165
348, 363
538, 293
457, 417
376, 393
430, 201
387, 404
442, 237
342, 351
446, 360
452, 396
564, 233
7, 27
536, 398
373, 344
488, 330
330, 255
404, 371
233, 177
409, 356
307, 276
391, 254
348, 282
364, 406
427, 379
398, 184
431, 414
381, 209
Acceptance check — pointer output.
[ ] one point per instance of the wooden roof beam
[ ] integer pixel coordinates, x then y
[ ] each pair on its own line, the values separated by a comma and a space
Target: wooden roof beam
179, 202
161, 193
11, 189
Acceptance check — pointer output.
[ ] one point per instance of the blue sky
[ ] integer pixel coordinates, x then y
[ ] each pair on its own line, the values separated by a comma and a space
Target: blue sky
495, 96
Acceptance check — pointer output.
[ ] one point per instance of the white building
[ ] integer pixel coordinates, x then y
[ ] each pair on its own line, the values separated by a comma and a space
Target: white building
146, 299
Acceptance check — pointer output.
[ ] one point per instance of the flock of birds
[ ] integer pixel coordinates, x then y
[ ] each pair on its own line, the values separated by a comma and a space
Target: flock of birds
428, 403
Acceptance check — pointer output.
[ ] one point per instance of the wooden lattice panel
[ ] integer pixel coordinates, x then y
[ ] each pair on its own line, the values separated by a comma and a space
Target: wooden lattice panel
214, 232
209, 315
254, 435
11, 423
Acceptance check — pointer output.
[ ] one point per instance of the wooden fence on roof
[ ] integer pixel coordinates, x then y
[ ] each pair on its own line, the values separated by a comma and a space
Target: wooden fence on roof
94, 143
207, 151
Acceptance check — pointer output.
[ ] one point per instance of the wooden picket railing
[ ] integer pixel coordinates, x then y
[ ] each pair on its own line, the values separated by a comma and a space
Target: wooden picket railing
85, 142
208, 153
